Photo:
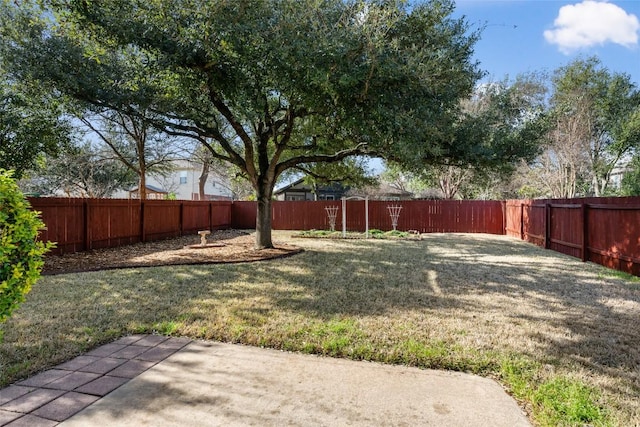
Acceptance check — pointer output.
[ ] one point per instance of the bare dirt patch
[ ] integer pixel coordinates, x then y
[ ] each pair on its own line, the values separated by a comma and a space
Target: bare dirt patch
225, 246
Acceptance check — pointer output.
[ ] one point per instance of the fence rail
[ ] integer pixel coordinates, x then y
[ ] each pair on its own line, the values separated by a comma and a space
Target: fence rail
601, 230
425, 216
83, 224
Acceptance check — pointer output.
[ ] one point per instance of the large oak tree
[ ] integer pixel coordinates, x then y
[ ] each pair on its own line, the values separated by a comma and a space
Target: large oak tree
266, 85
32, 124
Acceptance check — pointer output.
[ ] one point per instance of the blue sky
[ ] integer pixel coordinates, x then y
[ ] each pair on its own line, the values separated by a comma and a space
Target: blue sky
542, 35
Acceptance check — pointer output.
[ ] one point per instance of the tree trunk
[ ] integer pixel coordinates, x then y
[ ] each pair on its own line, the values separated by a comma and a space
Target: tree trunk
263, 218
142, 187
202, 181
142, 173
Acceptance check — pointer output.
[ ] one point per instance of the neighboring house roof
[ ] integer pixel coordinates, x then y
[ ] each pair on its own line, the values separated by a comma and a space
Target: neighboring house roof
297, 184
382, 192
150, 187
301, 186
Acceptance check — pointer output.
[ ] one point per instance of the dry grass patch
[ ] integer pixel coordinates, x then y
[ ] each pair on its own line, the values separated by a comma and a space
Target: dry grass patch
560, 334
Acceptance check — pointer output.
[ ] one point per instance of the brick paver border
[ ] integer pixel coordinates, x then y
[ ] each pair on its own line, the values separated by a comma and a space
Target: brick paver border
56, 394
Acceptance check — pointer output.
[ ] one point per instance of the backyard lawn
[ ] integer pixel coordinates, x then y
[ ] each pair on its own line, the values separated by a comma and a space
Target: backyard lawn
562, 336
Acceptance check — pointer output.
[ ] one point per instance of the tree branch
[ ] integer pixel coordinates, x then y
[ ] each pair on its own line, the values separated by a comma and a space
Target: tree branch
107, 141
320, 158
237, 127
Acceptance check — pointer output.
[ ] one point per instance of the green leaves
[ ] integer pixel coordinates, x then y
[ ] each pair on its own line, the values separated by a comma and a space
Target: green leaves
255, 81
31, 125
598, 111
20, 252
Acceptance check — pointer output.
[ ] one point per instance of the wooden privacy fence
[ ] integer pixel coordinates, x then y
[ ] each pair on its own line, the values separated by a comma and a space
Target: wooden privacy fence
602, 230
425, 216
83, 224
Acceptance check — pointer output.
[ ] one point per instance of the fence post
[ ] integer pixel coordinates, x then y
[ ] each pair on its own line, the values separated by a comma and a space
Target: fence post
585, 231
521, 220
86, 241
547, 226
210, 212
143, 237
503, 205
181, 218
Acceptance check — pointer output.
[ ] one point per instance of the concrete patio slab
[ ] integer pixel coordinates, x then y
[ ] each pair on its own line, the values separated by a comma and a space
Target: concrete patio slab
211, 384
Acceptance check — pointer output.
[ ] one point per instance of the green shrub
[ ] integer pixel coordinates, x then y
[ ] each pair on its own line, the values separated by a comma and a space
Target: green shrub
20, 253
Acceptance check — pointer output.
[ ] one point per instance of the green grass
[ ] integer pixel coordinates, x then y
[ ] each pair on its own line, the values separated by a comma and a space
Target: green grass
556, 401
565, 401
373, 233
554, 331
632, 281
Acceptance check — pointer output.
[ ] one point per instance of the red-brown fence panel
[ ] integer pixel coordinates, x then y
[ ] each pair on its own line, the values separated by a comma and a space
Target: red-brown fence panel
302, 215
425, 216
513, 217
565, 229
243, 215
613, 236
82, 224
161, 219
65, 223
602, 230
533, 220
112, 222
195, 216
221, 215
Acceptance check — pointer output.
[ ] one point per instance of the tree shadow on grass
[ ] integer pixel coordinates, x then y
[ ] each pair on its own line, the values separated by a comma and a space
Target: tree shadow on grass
558, 309
485, 291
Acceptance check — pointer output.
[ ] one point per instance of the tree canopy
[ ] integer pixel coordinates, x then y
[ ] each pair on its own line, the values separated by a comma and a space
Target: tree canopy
595, 126
600, 111
266, 85
32, 124
500, 125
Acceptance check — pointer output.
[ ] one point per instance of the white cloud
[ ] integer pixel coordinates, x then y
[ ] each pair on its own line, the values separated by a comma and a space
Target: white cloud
592, 23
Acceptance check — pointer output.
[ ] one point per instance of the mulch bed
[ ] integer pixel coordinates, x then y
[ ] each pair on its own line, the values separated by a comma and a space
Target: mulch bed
228, 246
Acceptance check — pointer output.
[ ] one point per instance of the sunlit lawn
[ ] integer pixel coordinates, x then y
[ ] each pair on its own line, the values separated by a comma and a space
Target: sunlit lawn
563, 336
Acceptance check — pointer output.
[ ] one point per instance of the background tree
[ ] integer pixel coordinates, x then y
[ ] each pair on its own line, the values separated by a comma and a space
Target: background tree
594, 124
562, 170
501, 124
82, 171
132, 139
299, 83
630, 185
402, 180
222, 174
597, 114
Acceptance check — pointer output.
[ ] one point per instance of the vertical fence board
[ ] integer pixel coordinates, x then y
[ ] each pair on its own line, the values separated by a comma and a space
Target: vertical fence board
243, 215
220, 214
601, 230
80, 224
604, 230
